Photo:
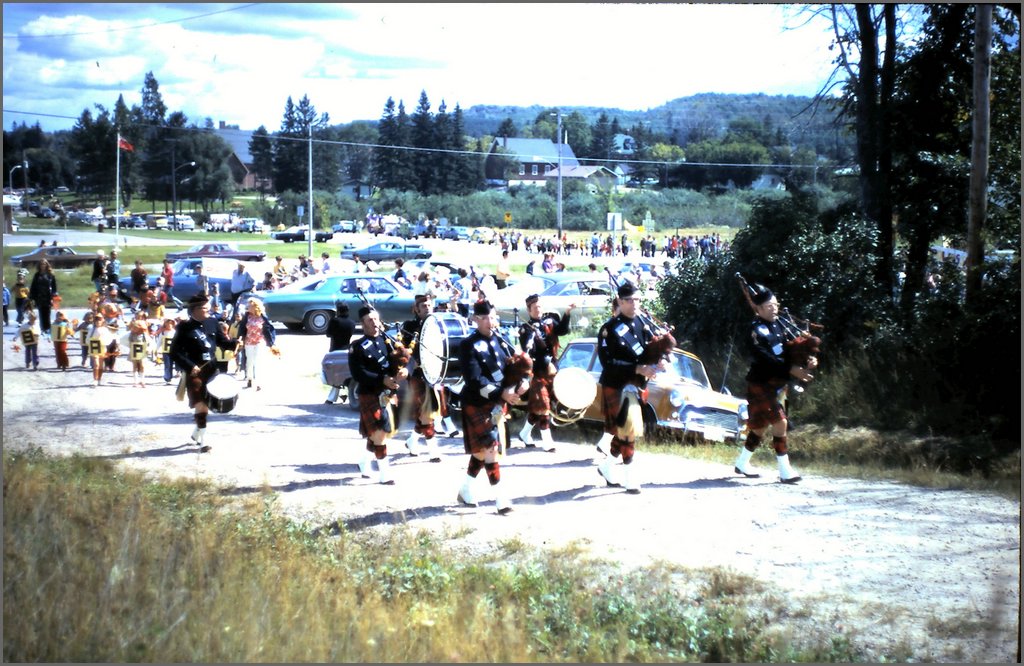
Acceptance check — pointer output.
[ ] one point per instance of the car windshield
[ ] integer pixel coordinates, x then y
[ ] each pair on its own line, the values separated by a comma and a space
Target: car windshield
688, 369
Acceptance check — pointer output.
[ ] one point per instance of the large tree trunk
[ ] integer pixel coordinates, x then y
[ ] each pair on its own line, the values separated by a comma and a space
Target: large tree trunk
979, 149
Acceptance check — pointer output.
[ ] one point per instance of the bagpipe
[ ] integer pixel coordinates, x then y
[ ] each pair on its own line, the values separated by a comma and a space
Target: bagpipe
800, 344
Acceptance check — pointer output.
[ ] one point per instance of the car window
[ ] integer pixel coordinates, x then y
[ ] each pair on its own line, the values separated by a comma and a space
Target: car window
381, 287
577, 356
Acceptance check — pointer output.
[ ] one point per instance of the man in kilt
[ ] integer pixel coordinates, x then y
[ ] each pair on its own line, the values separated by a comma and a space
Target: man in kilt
538, 337
621, 343
426, 400
192, 350
608, 434
768, 375
485, 404
370, 362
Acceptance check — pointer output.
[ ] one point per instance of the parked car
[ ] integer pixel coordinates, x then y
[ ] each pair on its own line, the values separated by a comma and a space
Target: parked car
386, 251
680, 399
454, 233
309, 303
296, 233
59, 257
345, 227
484, 235
46, 213
251, 225
181, 222
218, 271
592, 295
225, 250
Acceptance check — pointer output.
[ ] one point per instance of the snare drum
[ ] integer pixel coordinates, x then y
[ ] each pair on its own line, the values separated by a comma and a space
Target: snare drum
222, 393
439, 341
573, 391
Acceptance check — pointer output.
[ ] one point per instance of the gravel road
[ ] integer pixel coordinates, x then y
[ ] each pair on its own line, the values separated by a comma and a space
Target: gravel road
933, 575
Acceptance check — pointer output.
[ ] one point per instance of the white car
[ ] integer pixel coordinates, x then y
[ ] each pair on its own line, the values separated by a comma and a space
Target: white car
181, 222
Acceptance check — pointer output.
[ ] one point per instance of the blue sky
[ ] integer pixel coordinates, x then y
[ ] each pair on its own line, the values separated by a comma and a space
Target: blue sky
238, 63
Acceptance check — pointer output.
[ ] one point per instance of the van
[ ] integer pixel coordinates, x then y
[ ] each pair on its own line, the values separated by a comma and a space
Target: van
181, 222
156, 221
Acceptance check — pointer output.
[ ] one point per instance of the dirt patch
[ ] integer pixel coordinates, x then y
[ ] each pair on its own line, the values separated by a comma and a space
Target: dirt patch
922, 574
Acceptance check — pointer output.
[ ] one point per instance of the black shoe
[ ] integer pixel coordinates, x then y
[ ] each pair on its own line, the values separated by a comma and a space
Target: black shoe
205, 448
633, 491
790, 480
328, 402
607, 482
389, 482
504, 511
749, 475
454, 433
435, 460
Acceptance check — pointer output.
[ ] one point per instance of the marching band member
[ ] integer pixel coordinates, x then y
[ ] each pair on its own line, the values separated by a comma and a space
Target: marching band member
427, 401
539, 338
768, 375
608, 434
369, 361
192, 350
621, 343
483, 358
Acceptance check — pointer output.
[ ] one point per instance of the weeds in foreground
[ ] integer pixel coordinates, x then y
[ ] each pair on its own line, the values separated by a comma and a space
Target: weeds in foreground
104, 565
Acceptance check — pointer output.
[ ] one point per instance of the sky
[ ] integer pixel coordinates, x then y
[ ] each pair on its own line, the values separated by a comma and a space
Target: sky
239, 63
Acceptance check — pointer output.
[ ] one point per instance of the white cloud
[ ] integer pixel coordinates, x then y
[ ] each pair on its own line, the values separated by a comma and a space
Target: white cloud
350, 58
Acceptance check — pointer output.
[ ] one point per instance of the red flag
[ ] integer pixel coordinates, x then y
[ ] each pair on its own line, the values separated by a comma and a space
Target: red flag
124, 145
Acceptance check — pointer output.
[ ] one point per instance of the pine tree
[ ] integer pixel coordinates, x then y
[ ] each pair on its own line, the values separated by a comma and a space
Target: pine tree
423, 140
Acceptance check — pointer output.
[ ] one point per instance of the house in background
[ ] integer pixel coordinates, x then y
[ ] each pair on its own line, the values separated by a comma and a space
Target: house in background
597, 178
356, 189
240, 161
514, 161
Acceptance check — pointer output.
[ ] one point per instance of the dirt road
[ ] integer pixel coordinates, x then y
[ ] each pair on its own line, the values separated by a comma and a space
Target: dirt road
909, 570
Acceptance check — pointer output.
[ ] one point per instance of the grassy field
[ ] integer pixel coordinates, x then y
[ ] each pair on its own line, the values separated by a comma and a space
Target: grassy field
177, 572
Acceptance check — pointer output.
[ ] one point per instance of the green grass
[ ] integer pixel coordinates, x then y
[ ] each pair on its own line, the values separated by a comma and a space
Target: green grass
102, 565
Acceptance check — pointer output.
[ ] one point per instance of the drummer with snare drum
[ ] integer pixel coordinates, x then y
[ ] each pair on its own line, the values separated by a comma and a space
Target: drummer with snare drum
192, 350
538, 337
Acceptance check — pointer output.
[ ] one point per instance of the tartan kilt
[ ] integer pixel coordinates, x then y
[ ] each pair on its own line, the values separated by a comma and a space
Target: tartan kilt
370, 414
479, 432
539, 398
426, 403
195, 386
611, 403
763, 405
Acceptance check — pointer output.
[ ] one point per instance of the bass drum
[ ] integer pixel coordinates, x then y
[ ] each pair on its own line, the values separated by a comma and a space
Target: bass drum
222, 393
439, 341
573, 391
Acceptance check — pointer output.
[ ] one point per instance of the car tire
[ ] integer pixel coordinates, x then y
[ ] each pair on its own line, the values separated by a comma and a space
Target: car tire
315, 322
353, 399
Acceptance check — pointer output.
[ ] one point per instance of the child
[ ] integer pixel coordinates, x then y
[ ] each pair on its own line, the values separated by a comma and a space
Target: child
100, 337
29, 334
163, 346
7, 302
138, 344
60, 331
20, 294
82, 329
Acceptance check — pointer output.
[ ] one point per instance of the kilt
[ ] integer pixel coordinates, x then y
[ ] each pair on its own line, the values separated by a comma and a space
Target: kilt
479, 432
370, 414
539, 400
611, 403
763, 404
425, 404
195, 386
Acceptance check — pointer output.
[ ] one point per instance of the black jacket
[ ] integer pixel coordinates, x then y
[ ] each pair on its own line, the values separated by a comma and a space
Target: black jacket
620, 344
483, 363
767, 352
192, 346
369, 362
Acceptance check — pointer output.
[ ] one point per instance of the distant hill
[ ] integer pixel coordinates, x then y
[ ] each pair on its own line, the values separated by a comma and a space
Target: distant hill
683, 119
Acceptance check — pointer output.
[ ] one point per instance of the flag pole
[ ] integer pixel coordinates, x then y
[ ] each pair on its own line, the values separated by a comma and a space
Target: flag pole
117, 192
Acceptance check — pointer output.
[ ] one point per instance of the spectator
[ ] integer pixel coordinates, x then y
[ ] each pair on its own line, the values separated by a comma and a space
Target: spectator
139, 278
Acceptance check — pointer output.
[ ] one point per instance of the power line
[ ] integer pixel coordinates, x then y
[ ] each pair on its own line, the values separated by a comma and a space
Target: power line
131, 27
